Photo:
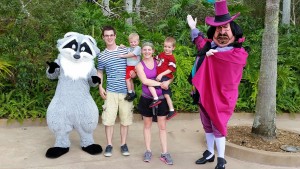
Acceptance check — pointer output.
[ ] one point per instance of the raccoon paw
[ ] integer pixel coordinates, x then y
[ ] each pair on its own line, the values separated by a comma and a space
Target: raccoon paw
96, 79
52, 66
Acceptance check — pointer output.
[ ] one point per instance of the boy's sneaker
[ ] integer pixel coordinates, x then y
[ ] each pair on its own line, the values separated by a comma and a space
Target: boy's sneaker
127, 96
154, 118
108, 151
147, 156
124, 150
171, 114
131, 97
155, 103
166, 158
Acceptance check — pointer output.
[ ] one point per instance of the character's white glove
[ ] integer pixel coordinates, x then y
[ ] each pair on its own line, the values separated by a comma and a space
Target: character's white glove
211, 52
192, 23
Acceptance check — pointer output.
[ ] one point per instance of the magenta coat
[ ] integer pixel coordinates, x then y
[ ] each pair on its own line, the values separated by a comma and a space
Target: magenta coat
217, 81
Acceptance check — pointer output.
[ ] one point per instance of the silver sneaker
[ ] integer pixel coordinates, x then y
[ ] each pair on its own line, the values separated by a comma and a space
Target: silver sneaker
124, 150
108, 151
147, 156
166, 158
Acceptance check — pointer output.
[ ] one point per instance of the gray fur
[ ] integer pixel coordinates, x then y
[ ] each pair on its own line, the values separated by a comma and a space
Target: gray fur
72, 106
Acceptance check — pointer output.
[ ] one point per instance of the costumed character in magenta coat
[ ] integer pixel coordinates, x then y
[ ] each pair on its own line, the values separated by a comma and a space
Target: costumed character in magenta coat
216, 75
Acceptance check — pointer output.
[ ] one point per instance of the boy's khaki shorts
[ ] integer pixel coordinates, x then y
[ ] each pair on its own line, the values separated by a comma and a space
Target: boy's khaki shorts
113, 104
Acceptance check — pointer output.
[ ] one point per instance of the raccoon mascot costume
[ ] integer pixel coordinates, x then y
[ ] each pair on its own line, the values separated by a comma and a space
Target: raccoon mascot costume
72, 106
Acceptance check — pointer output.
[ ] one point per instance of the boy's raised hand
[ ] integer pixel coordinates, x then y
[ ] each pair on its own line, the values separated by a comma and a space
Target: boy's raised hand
192, 23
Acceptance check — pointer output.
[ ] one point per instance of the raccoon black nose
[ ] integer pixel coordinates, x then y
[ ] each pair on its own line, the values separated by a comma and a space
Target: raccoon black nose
76, 56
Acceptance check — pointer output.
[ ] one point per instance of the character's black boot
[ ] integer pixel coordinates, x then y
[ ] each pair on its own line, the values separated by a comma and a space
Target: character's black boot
221, 163
203, 160
93, 149
55, 152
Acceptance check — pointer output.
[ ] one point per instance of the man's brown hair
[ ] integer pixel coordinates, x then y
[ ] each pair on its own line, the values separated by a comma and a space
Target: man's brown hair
108, 28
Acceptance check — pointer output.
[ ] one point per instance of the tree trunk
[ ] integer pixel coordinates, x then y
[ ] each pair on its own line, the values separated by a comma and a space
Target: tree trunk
128, 8
264, 121
105, 9
137, 7
286, 12
293, 12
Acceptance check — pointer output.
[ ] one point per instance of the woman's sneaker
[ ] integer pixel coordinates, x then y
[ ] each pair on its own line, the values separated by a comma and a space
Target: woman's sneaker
147, 156
166, 158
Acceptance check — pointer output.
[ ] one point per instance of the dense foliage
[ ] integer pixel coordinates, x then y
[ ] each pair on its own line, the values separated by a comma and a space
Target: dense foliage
29, 31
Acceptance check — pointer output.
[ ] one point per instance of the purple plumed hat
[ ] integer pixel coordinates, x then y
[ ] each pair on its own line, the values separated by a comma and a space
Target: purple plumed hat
222, 15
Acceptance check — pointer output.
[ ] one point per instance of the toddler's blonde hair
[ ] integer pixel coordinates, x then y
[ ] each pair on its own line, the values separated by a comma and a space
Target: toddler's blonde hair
171, 40
134, 35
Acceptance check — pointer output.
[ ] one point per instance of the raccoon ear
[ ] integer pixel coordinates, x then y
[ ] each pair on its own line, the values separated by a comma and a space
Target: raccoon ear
91, 39
70, 34
97, 50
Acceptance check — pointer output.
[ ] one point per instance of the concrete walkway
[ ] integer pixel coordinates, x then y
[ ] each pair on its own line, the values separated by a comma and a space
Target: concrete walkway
24, 147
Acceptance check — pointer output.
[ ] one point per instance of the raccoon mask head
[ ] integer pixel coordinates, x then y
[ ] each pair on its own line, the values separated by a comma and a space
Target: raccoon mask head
77, 47
76, 54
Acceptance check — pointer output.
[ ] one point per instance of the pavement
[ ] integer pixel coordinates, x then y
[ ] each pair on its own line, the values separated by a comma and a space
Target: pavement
23, 146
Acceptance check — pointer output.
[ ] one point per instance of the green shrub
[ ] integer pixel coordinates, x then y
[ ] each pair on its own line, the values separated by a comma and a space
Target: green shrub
28, 39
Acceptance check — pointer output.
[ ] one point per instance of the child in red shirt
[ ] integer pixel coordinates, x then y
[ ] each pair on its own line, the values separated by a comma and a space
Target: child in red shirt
165, 68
